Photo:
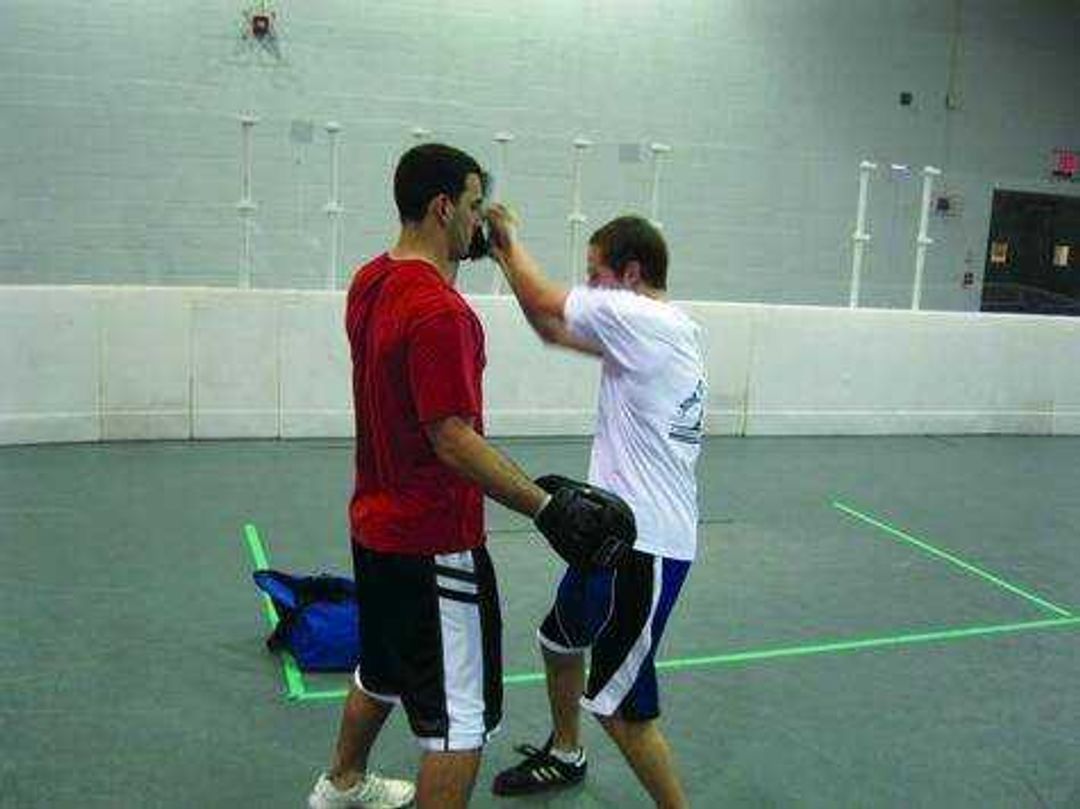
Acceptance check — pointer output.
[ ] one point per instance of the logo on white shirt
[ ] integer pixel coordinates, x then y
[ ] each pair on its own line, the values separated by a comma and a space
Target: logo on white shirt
686, 424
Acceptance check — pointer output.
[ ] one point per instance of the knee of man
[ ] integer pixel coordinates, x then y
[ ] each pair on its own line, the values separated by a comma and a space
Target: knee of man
628, 727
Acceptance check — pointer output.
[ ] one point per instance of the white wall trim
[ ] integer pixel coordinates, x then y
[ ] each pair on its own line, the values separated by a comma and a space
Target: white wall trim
91, 363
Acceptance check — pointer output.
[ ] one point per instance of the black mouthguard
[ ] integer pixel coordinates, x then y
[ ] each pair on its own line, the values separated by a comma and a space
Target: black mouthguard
480, 247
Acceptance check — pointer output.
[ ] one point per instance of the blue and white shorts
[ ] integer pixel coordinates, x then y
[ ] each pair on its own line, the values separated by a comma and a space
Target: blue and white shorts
620, 615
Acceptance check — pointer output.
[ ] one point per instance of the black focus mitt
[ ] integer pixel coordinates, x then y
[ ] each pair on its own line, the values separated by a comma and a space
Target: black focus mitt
587, 526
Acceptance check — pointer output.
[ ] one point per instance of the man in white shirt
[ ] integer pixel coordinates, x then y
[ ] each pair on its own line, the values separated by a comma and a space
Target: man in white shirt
648, 437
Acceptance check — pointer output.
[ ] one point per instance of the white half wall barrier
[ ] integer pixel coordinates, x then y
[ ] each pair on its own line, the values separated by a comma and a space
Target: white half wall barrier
99, 363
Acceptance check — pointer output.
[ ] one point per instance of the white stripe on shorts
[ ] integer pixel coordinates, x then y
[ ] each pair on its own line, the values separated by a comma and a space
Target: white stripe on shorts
389, 699
607, 701
457, 585
547, 643
463, 664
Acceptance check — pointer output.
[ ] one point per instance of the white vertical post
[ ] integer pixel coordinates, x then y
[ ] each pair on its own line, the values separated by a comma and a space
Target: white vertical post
658, 150
246, 206
334, 208
861, 237
923, 241
577, 218
502, 141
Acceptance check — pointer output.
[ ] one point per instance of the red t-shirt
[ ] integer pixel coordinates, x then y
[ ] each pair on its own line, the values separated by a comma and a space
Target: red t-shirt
418, 356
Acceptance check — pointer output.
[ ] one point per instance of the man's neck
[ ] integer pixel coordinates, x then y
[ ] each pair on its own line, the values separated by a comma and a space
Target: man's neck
651, 292
417, 242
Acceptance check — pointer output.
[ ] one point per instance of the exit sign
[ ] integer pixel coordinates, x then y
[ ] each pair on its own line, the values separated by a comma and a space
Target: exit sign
1066, 163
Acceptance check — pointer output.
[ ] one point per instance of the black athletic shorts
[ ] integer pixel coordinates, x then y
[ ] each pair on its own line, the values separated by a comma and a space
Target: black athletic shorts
430, 639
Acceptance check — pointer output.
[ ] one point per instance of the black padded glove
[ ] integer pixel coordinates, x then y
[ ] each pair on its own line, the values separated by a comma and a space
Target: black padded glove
480, 246
587, 526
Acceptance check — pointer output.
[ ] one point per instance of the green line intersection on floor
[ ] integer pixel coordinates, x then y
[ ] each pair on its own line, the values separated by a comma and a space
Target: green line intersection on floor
296, 690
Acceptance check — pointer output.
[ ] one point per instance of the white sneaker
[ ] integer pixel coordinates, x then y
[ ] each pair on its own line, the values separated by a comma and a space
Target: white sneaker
373, 792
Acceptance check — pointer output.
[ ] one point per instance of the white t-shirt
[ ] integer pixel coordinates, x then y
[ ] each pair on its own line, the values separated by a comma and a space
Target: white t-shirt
649, 419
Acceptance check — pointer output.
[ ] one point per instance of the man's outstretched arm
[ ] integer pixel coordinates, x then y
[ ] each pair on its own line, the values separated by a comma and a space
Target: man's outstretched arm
542, 300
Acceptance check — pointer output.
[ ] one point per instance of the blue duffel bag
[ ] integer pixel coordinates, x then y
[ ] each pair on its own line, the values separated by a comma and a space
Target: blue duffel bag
318, 622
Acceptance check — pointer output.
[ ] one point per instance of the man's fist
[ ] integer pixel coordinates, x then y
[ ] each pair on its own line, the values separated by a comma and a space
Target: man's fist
501, 224
586, 525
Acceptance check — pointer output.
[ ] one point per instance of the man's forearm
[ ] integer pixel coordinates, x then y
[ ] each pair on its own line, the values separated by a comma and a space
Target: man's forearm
532, 289
465, 451
538, 296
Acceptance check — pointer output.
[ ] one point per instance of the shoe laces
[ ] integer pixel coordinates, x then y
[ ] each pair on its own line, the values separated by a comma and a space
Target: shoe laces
535, 755
374, 788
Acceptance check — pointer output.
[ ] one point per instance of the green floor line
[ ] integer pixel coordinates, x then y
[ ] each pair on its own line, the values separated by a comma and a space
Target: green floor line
296, 690
926, 546
735, 658
294, 680
867, 643
258, 552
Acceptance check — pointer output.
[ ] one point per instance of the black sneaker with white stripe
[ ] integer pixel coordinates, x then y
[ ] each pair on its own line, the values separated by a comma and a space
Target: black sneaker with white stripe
539, 771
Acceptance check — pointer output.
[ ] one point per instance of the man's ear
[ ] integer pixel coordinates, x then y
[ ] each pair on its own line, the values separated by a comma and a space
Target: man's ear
632, 273
441, 208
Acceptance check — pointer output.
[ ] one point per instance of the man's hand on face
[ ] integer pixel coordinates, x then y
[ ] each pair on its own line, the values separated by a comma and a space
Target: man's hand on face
502, 226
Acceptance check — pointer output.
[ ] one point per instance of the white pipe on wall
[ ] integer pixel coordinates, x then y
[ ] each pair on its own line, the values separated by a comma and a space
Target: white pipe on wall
861, 238
922, 241
246, 206
334, 208
577, 218
658, 150
502, 141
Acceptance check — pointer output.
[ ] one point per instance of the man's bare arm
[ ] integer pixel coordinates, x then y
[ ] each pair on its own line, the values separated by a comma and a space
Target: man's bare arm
553, 330
543, 301
465, 451
537, 295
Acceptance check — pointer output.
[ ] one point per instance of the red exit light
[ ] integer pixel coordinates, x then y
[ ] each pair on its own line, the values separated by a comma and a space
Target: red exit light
1066, 163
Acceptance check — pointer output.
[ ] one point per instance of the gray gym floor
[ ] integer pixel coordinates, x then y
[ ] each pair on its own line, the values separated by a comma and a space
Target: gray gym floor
872, 622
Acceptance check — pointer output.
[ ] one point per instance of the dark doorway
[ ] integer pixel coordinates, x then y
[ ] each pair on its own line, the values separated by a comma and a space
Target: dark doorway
1033, 255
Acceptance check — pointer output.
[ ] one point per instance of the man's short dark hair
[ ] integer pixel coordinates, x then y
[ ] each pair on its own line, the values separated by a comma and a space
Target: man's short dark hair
427, 170
633, 238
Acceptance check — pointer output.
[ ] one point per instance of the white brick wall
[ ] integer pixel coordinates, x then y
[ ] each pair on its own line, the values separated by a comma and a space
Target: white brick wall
119, 145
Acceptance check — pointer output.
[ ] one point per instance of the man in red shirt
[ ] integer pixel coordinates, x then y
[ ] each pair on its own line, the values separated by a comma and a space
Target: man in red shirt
430, 629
